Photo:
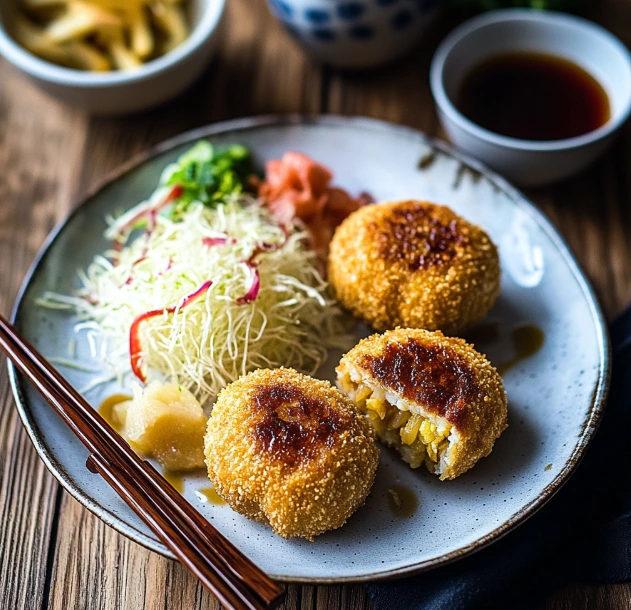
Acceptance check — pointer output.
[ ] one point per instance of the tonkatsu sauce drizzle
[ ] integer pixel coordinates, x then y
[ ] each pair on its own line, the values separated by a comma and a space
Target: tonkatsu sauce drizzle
293, 425
433, 376
417, 239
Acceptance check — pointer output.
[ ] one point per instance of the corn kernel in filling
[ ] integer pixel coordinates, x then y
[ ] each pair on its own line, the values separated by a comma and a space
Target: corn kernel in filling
416, 437
378, 406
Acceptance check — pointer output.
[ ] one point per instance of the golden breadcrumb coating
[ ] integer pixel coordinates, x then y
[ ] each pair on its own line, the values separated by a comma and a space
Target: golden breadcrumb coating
414, 264
291, 451
434, 398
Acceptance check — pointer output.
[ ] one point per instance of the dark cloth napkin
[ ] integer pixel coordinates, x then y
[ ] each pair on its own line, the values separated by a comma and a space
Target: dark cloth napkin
582, 535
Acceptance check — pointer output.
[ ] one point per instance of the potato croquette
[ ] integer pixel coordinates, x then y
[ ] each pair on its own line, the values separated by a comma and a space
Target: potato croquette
434, 398
414, 264
290, 451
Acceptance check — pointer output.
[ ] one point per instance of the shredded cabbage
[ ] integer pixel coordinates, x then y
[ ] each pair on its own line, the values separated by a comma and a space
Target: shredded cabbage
219, 335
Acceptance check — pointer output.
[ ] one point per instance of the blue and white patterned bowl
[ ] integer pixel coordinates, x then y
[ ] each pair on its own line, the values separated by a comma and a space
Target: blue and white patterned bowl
356, 33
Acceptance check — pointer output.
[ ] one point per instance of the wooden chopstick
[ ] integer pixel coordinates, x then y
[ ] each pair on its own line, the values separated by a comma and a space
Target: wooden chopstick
117, 450
113, 455
183, 548
92, 432
159, 517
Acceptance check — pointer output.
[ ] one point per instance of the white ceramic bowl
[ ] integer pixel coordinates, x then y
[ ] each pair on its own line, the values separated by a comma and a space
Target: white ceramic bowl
120, 92
356, 34
526, 162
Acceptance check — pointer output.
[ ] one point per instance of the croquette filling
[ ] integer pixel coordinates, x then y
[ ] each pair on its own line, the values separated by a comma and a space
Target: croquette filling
418, 436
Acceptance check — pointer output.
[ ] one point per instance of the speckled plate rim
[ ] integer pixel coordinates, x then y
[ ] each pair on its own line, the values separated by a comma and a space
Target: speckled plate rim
589, 426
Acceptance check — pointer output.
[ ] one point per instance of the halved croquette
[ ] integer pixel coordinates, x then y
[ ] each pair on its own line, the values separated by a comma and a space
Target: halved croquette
434, 398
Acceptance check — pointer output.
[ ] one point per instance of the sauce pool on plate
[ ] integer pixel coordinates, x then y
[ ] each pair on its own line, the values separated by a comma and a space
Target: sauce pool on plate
106, 409
533, 96
402, 501
210, 495
528, 339
176, 479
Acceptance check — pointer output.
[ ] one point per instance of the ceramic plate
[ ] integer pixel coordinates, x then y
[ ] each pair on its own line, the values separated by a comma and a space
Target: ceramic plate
555, 397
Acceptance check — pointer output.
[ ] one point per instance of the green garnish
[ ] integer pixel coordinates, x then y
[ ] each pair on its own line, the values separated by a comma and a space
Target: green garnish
208, 175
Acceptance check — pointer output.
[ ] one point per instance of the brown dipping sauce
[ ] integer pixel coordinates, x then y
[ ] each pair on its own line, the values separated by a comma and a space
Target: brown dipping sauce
533, 96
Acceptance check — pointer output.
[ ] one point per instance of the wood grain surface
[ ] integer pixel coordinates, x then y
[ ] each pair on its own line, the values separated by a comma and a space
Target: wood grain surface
53, 553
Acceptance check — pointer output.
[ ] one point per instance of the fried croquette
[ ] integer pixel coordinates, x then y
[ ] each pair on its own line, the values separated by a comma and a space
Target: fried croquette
434, 398
290, 451
414, 264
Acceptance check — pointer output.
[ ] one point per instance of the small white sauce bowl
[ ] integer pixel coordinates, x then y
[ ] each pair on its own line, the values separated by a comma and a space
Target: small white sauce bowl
530, 162
119, 92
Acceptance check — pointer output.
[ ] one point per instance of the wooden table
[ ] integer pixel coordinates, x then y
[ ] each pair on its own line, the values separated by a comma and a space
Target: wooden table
56, 555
